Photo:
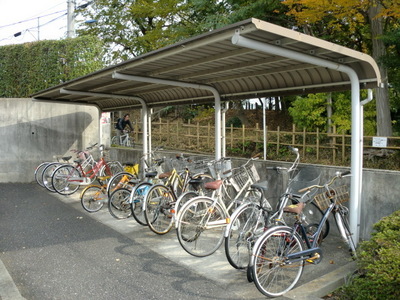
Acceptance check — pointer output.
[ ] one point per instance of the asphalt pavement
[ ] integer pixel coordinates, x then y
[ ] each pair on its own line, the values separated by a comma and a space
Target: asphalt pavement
50, 248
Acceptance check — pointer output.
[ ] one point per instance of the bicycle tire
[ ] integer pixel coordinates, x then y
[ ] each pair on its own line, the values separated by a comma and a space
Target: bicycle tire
159, 205
39, 173
272, 274
183, 199
311, 216
137, 197
120, 180
119, 204
194, 238
241, 234
66, 180
47, 176
114, 140
111, 168
93, 198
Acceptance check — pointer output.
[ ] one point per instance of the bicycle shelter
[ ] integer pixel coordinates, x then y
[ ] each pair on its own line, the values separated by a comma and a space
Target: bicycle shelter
248, 59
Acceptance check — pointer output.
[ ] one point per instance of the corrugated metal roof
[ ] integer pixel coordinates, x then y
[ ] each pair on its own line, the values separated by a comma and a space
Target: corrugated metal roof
212, 59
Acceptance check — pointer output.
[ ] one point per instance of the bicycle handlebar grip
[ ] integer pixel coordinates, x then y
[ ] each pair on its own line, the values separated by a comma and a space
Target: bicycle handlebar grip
303, 190
346, 173
273, 168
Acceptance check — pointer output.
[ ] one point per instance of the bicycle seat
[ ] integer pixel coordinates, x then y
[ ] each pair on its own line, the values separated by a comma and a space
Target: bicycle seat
213, 185
66, 158
151, 174
295, 208
164, 175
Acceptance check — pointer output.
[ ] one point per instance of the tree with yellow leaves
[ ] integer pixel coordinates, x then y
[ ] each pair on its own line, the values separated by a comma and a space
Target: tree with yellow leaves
358, 24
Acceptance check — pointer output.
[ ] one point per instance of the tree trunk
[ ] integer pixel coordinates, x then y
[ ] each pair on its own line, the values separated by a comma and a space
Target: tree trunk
383, 118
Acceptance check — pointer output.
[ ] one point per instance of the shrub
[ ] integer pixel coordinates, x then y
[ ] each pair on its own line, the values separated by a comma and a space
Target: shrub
378, 276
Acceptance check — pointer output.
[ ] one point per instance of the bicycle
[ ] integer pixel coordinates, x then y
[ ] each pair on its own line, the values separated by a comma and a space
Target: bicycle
201, 222
47, 172
163, 200
67, 179
123, 140
280, 254
93, 197
252, 218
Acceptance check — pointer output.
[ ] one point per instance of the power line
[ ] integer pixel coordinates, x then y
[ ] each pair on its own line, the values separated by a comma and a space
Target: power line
28, 20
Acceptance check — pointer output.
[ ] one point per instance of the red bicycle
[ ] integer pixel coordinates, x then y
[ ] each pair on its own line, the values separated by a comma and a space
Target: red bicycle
67, 179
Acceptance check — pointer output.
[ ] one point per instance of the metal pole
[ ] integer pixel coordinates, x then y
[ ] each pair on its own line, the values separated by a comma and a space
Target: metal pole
209, 88
356, 164
70, 19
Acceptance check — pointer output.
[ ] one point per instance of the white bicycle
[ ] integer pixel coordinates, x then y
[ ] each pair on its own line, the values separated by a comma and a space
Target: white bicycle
123, 140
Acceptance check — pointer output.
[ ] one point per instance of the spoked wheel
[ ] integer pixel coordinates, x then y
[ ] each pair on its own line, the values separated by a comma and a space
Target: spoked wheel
47, 175
93, 198
137, 198
120, 180
39, 173
160, 203
273, 273
119, 204
242, 232
66, 180
201, 226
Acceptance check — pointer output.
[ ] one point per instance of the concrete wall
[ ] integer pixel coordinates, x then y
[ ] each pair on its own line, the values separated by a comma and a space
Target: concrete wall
32, 132
379, 195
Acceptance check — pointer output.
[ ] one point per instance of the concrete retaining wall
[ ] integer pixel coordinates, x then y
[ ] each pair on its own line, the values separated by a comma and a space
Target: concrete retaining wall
379, 195
32, 132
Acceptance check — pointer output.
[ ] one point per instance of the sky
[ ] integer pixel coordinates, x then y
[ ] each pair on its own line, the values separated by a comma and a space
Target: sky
25, 15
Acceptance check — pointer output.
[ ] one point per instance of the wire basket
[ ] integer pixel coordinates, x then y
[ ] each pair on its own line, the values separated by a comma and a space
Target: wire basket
240, 178
221, 168
338, 194
305, 177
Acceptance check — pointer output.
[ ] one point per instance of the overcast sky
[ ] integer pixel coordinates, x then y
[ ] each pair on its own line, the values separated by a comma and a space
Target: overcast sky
25, 16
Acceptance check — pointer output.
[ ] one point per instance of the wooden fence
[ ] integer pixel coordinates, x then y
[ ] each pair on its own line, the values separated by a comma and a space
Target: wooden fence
315, 147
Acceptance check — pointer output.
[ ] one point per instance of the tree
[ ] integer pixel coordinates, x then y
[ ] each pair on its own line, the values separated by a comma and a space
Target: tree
359, 24
131, 28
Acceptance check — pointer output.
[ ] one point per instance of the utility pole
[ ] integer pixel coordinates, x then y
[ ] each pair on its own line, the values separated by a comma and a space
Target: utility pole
70, 19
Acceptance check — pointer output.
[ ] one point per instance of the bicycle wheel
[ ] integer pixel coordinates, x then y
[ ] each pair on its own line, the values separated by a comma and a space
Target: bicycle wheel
272, 273
39, 173
119, 204
201, 225
115, 140
343, 225
111, 168
47, 175
159, 205
137, 197
66, 180
312, 216
183, 199
247, 224
120, 180
93, 198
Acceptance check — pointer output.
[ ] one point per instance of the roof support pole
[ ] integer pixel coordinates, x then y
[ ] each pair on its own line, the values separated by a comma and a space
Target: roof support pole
144, 110
213, 90
356, 137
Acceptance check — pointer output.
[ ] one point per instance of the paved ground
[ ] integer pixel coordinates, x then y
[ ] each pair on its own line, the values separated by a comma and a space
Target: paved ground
50, 248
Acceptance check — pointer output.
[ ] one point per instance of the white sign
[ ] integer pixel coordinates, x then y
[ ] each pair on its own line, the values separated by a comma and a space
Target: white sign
378, 141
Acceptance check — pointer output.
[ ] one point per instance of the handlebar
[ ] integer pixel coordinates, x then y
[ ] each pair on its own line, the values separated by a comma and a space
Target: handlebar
338, 175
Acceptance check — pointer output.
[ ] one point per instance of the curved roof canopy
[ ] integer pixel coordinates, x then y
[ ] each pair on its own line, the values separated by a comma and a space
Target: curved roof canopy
213, 59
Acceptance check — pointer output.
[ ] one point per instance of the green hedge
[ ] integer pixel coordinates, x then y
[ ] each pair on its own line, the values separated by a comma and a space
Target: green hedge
379, 264
31, 67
